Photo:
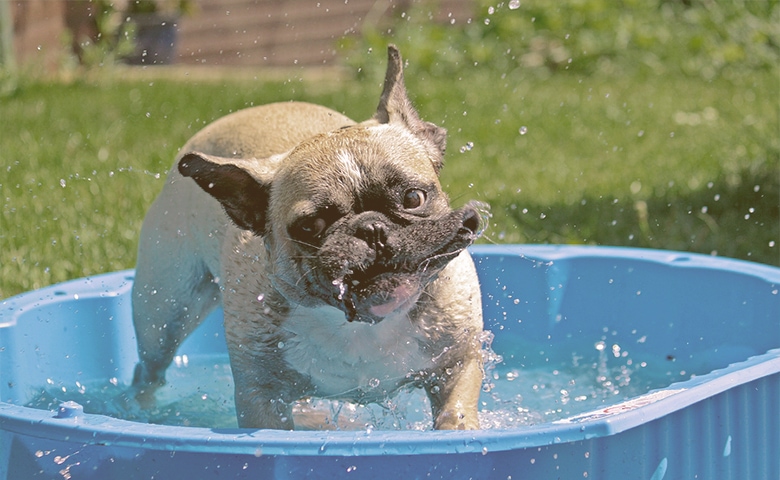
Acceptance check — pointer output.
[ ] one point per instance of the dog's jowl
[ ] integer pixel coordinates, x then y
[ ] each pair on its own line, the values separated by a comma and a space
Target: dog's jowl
341, 268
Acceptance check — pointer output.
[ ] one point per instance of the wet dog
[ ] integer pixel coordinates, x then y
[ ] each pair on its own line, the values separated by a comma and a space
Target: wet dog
342, 270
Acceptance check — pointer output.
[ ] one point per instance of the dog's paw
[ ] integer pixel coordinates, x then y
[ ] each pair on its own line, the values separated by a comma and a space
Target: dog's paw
455, 421
127, 406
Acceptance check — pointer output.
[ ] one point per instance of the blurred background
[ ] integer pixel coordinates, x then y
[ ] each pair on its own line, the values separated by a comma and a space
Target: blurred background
200, 32
643, 123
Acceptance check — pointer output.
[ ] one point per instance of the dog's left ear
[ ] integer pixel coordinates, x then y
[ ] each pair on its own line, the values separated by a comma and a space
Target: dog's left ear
237, 184
395, 107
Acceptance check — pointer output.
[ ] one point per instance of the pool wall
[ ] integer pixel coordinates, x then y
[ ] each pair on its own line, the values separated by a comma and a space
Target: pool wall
723, 316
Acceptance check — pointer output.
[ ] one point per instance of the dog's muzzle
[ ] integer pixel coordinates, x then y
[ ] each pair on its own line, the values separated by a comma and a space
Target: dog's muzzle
377, 269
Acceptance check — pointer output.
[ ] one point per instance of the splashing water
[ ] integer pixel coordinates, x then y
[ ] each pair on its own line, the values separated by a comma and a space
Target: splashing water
199, 393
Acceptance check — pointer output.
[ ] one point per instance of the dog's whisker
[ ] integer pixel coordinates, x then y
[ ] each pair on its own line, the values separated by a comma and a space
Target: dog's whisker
488, 239
423, 267
304, 275
428, 294
300, 242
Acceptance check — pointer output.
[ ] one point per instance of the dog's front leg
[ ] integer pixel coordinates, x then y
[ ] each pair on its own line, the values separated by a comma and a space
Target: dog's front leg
261, 407
454, 396
265, 387
265, 394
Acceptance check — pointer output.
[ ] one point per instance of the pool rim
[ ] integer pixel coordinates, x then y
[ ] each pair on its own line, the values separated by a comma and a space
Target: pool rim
102, 430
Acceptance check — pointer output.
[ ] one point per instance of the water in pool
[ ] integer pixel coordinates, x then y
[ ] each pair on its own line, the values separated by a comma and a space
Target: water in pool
199, 393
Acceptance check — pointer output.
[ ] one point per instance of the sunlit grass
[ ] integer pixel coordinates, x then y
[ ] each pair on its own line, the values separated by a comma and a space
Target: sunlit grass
658, 161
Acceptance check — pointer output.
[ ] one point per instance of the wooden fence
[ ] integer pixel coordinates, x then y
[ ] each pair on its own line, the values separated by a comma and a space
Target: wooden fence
233, 32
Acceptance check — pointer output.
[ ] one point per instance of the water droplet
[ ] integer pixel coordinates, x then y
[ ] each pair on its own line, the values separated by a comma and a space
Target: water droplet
467, 147
523, 130
660, 472
514, 4
62, 182
727, 448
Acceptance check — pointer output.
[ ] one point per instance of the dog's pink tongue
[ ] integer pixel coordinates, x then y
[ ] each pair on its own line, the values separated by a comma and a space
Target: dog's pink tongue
401, 294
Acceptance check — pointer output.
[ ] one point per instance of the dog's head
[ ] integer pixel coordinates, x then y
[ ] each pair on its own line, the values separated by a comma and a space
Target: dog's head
354, 218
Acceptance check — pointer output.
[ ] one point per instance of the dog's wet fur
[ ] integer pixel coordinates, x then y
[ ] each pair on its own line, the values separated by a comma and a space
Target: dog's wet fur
341, 268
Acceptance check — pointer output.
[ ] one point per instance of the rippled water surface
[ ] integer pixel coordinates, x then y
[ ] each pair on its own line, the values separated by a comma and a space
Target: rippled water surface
199, 392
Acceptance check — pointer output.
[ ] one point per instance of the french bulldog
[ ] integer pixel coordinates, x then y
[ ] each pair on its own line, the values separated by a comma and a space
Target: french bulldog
341, 268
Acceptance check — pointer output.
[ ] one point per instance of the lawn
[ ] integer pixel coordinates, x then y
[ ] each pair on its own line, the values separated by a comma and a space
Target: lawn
636, 157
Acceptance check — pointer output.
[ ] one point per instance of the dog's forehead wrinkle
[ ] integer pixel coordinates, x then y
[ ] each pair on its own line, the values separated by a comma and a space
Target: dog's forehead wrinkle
352, 173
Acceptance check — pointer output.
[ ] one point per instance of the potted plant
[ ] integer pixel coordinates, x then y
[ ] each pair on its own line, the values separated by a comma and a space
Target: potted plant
153, 25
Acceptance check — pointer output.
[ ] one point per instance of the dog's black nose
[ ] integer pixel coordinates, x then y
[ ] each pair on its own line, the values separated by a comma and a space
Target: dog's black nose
472, 220
374, 233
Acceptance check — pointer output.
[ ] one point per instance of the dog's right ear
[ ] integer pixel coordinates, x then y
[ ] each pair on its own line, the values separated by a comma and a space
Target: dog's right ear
241, 188
395, 107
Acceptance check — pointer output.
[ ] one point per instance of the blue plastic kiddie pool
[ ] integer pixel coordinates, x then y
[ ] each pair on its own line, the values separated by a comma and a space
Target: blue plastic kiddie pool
711, 326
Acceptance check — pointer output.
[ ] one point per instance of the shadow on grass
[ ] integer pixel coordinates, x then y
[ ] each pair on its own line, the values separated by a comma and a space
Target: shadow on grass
736, 217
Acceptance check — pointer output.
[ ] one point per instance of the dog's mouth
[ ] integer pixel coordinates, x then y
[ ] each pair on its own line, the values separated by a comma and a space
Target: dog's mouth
381, 290
372, 300
381, 270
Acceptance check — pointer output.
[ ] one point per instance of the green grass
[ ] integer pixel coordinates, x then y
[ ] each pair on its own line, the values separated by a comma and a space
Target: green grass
656, 161
664, 161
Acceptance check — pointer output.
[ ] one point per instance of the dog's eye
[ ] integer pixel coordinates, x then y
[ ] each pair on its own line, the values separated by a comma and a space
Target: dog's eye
414, 198
312, 227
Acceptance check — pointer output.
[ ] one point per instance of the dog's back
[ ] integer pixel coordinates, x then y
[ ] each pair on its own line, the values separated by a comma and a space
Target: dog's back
181, 237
